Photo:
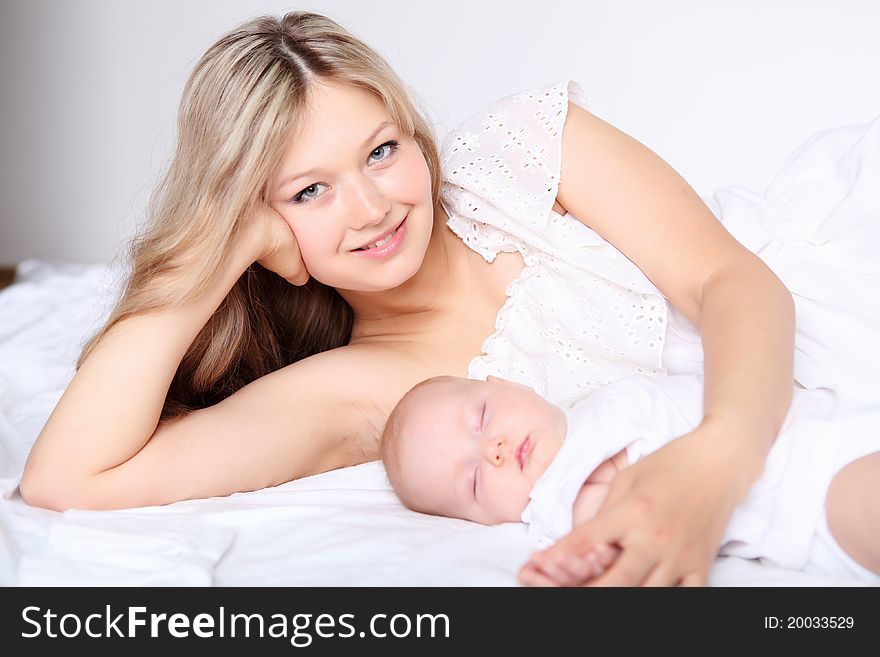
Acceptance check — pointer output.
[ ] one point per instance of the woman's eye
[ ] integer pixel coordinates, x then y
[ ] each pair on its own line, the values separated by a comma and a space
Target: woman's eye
389, 148
307, 195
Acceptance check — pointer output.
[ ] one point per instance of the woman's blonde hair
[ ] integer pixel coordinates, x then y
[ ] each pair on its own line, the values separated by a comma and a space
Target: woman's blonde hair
241, 103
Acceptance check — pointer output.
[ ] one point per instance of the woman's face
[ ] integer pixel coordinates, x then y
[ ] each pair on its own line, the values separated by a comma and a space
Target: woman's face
348, 177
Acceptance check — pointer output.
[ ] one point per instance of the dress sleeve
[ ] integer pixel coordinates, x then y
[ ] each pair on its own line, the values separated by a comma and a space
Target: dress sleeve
502, 166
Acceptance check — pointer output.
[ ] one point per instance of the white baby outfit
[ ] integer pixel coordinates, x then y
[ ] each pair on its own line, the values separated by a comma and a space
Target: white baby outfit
581, 315
779, 520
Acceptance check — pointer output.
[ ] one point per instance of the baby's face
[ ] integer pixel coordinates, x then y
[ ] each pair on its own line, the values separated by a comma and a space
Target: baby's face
474, 449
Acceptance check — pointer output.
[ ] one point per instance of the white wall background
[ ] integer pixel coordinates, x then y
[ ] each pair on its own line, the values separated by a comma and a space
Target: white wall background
724, 91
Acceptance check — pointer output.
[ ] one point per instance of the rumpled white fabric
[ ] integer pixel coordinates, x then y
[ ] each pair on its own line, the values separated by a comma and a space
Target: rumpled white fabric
346, 527
817, 226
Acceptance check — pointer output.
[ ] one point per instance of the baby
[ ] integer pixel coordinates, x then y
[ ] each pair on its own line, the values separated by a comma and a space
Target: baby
496, 451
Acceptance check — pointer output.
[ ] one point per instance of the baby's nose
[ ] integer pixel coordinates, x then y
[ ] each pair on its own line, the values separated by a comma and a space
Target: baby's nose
496, 451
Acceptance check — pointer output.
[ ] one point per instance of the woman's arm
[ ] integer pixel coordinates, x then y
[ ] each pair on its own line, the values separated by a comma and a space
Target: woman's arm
111, 408
102, 446
669, 510
636, 201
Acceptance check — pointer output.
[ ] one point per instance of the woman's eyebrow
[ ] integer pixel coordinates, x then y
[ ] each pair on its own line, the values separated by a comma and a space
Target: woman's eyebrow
309, 172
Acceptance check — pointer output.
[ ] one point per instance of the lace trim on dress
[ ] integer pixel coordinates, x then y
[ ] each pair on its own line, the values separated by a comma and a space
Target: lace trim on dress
580, 314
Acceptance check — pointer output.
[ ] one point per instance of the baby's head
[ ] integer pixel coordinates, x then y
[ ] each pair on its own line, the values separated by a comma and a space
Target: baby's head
470, 449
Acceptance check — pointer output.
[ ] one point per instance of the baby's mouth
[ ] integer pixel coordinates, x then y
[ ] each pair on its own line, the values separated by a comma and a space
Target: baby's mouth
523, 452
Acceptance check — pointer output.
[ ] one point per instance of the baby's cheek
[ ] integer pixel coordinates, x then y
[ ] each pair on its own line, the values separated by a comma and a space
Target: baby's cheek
519, 500
505, 495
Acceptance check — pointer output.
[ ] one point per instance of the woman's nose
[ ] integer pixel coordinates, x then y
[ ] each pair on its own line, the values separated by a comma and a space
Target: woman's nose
369, 205
495, 451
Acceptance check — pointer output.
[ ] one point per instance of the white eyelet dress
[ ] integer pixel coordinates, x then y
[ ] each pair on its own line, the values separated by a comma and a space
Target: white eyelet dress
582, 315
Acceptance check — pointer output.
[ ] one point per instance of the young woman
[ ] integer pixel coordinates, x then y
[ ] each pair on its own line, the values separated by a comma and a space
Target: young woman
300, 274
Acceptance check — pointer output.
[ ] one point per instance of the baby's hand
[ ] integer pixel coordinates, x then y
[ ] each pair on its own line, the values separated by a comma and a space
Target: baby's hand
559, 569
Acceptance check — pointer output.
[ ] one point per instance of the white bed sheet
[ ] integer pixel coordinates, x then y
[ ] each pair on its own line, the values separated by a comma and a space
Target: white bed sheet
344, 527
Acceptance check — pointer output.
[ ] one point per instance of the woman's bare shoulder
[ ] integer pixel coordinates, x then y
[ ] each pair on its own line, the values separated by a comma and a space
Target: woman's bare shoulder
373, 376
357, 384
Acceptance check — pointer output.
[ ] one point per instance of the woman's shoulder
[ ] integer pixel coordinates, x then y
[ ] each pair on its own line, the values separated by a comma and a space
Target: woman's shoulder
367, 378
339, 398
516, 119
501, 169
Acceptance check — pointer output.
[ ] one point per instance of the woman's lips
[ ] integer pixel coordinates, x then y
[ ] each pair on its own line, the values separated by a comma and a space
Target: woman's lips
388, 249
523, 452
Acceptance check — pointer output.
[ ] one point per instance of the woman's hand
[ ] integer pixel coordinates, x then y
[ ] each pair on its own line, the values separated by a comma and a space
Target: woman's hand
666, 514
274, 245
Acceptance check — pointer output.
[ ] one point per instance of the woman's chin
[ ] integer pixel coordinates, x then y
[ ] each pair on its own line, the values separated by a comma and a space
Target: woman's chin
381, 282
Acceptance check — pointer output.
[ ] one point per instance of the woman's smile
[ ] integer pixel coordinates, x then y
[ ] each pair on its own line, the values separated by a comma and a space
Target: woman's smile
386, 245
